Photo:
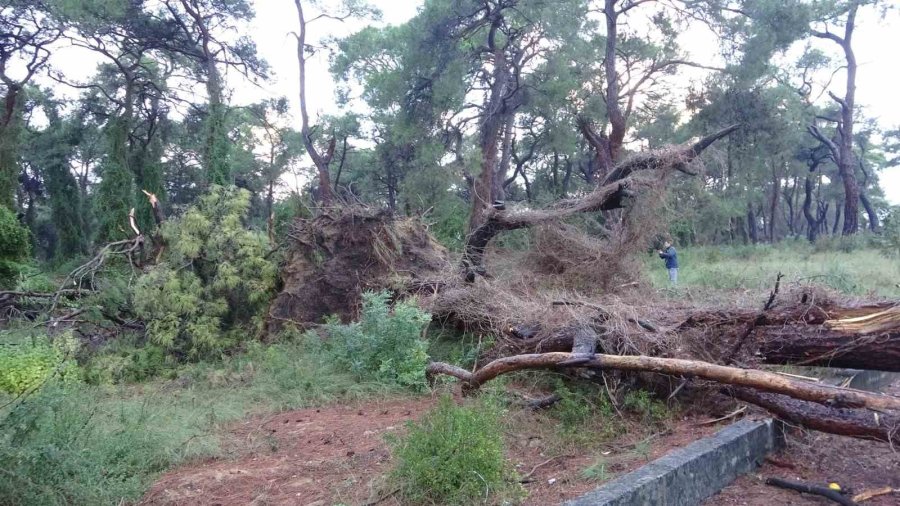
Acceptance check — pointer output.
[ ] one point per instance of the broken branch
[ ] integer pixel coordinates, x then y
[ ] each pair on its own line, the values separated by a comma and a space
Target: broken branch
753, 378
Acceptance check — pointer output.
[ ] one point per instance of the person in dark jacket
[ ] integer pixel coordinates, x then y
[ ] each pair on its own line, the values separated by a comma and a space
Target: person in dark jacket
671, 257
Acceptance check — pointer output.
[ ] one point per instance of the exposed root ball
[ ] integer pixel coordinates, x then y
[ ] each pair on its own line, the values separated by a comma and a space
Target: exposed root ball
337, 255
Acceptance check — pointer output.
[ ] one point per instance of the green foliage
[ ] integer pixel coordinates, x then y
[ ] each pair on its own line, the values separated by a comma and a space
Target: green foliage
215, 280
115, 196
586, 414
889, 240
127, 364
597, 471
641, 402
386, 344
453, 455
14, 246
25, 366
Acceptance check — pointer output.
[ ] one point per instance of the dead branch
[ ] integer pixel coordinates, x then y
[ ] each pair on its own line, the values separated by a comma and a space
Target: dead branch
760, 319
753, 378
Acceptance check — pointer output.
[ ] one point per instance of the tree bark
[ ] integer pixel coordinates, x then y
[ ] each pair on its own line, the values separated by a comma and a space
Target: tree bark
844, 422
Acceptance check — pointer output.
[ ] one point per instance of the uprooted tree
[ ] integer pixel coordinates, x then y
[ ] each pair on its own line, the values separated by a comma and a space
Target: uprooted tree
595, 330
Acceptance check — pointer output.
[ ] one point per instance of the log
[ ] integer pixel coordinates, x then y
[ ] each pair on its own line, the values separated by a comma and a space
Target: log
843, 422
831, 349
760, 380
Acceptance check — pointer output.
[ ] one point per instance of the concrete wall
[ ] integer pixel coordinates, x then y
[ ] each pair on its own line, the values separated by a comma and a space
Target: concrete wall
689, 475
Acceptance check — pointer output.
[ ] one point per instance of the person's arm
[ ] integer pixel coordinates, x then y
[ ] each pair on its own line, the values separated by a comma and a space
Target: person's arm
664, 254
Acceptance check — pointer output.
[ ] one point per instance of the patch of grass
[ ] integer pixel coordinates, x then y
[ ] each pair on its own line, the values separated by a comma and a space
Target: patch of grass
850, 266
586, 415
597, 471
650, 410
454, 455
103, 444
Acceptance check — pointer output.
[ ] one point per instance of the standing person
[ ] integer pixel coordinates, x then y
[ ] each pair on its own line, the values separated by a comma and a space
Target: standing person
669, 254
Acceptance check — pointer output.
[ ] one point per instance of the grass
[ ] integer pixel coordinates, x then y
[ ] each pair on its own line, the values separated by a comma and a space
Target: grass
105, 444
862, 271
455, 455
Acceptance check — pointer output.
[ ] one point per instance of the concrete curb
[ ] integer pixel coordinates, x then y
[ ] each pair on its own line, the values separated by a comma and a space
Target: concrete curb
691, 474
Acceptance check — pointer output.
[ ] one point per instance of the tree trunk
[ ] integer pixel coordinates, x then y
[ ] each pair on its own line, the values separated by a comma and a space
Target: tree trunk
837, 218
844, 422
870, 211
9, 147
880, 352
752, 224
321, 160
773, 204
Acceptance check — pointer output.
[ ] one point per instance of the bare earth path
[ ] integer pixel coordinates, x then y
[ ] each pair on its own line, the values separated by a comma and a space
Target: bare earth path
338, 455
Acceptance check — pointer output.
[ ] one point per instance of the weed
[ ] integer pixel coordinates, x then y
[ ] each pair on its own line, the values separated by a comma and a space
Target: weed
385, 345
596, 471
454, 455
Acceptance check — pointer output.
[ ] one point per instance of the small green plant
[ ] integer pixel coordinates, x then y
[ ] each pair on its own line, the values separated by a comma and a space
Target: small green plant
25, 366
585, 413
385, 345
454, 455
643, 404
596, 471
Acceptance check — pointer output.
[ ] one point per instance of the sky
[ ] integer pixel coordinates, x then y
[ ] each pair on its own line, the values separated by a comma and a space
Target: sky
876, 42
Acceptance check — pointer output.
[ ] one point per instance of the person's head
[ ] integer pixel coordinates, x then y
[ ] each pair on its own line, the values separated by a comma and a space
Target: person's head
666, 244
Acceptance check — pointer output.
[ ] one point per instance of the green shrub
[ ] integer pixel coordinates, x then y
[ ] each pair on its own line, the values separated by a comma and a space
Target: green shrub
580, 407
214, 282
14, 247
385, 345
25, 366
642, 403
889, 240
454, 455
127, 364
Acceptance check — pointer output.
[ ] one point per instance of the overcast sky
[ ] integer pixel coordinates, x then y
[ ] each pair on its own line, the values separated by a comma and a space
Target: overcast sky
876, 43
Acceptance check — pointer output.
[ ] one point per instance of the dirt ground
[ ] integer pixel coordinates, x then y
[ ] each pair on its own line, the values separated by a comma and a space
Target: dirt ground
820, 459
338, 455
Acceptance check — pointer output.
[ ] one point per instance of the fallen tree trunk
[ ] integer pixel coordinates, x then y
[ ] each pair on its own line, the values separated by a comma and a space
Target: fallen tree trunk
620, 184
862, 424
861, 338
833, 349
753, 378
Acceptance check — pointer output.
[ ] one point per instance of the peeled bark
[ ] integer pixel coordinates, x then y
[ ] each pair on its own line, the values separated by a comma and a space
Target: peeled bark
867, 341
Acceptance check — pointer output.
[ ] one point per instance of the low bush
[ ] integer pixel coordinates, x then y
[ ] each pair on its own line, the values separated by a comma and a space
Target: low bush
27, 364
453, 455
385, 345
